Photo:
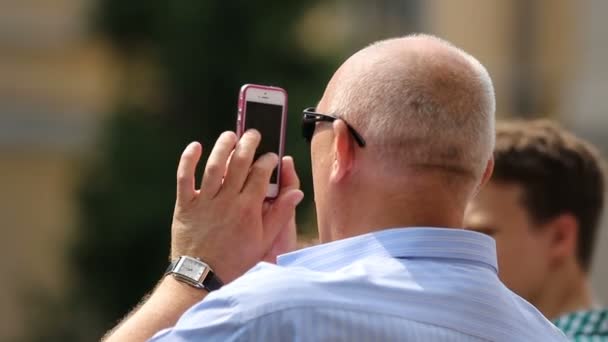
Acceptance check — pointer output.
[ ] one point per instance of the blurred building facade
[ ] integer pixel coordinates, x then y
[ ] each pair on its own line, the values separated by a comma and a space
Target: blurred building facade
585, 110
57, 80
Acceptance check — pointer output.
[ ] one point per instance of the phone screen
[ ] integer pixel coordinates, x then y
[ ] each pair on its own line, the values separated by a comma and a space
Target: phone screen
266, 118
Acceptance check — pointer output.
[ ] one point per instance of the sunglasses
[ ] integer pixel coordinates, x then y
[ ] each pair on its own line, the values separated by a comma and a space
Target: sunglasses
310, 119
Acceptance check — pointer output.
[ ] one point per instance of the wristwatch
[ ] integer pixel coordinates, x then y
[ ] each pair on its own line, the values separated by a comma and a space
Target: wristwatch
194, 272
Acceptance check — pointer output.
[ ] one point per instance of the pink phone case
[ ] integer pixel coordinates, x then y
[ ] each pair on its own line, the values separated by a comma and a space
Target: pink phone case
242, 112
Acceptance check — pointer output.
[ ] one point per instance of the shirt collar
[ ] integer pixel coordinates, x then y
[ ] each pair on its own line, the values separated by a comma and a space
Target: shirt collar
415, 242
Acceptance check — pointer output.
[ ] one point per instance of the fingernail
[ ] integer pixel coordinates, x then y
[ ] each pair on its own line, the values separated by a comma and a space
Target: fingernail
297, 199
274, 156
190, 147
253, 131
226, 134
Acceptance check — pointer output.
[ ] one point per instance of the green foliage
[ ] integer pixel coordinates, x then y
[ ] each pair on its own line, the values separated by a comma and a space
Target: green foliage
206, 50
126, 204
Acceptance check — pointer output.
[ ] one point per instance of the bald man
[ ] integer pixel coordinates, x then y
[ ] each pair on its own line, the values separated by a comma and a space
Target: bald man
400, 142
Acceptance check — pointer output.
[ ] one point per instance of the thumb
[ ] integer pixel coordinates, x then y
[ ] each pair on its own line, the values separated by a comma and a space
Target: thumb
280, 213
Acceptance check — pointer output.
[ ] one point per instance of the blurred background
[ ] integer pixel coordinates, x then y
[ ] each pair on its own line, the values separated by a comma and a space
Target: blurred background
99, 97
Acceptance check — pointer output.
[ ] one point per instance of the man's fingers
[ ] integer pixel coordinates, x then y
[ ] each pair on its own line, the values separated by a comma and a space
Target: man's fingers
259, 176
240, 162
284, 242
281, 213
216, 164
289, 177
283, 210
186, 170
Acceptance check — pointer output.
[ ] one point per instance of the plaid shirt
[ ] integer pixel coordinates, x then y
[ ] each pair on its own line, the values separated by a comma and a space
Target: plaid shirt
585, 326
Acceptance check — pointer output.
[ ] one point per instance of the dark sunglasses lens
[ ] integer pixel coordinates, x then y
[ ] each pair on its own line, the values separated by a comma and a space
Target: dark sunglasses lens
308, 129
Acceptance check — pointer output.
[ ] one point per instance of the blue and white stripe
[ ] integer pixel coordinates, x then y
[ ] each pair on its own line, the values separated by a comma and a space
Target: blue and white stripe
404, 284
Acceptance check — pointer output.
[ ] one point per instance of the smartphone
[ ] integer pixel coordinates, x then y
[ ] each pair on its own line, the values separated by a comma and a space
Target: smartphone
265, 109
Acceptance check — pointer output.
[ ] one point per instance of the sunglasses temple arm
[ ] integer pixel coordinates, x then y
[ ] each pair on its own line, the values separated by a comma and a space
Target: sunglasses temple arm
357, 136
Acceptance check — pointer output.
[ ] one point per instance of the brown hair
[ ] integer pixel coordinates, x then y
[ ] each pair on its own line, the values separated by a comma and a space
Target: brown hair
559, 172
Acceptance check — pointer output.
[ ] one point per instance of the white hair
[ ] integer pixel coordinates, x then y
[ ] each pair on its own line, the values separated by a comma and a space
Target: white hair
419, 100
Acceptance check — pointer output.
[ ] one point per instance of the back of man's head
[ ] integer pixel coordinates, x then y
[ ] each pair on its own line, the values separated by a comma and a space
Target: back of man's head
419, 102
426, 111
559, 174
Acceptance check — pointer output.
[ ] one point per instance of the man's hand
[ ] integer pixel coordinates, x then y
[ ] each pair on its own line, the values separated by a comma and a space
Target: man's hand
286, 241
224, 223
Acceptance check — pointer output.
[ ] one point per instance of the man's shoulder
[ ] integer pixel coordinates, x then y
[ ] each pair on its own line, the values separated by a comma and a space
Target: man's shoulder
257, 296
268, 289
270, 293
268, 283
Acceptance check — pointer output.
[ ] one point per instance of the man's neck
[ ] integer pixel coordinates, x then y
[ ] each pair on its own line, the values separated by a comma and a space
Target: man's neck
380, 209
573, 295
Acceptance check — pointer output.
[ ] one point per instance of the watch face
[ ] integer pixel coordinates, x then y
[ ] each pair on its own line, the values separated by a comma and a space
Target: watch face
192, 269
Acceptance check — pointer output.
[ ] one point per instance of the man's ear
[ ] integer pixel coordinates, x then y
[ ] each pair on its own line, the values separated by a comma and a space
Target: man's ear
343, 151
563, 237
487, 174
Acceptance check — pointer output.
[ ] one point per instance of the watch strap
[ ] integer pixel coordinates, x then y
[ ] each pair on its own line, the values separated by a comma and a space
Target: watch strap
171, 266
212, 282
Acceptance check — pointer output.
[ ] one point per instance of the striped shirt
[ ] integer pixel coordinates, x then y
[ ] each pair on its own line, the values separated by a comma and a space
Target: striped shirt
585, 326
405, 284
